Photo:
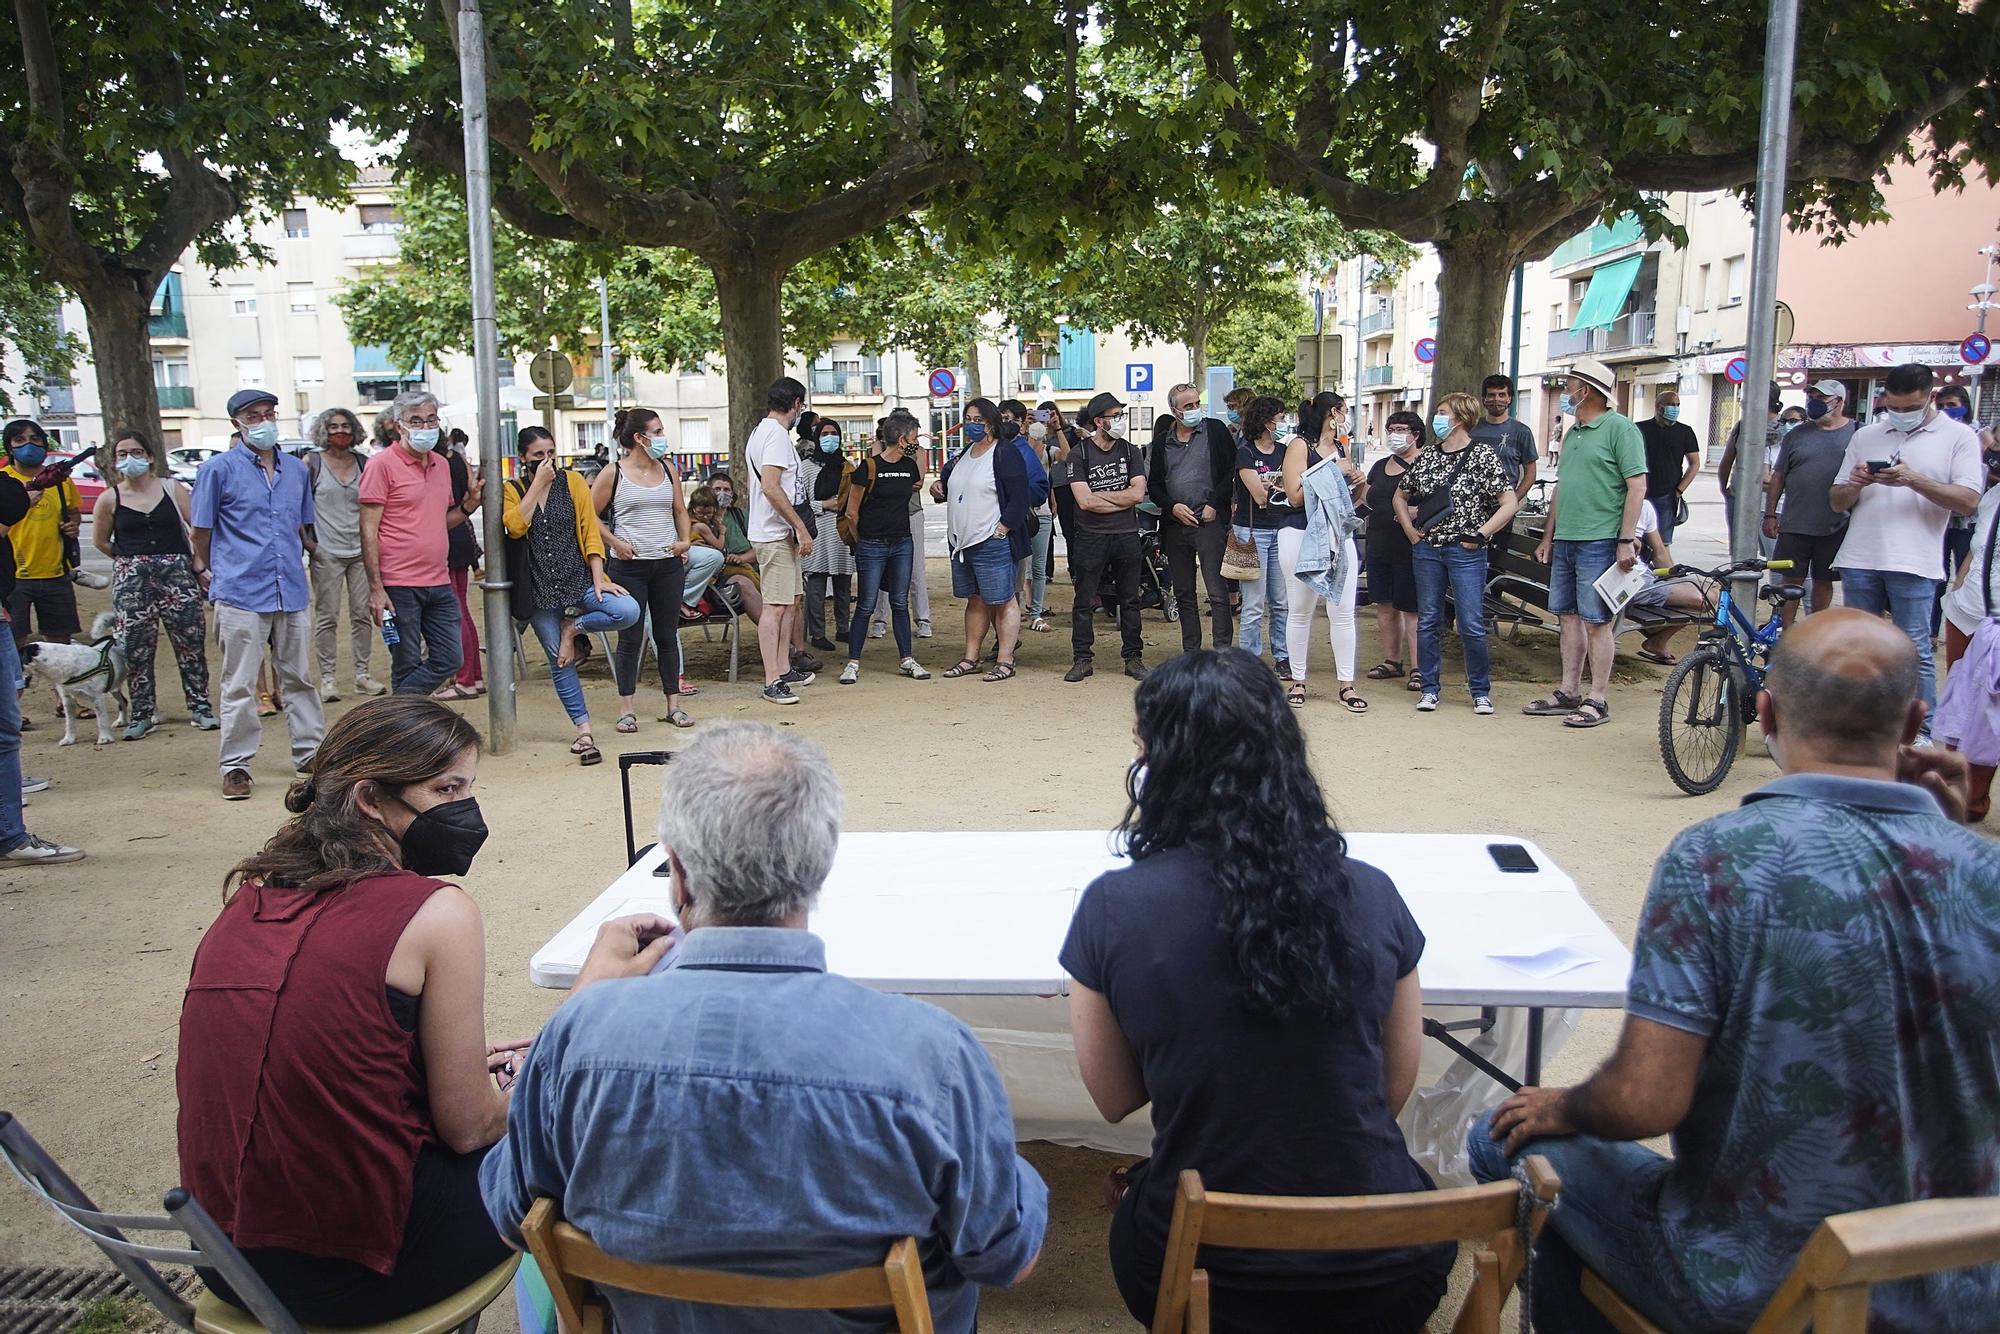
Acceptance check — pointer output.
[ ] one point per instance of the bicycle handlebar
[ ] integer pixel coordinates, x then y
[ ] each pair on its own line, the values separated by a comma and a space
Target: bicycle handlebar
1755, 565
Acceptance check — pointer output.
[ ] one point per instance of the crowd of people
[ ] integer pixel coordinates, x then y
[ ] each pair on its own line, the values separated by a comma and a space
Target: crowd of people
1242, 976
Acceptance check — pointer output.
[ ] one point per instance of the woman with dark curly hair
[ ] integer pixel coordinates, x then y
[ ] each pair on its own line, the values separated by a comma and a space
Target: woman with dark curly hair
1259, 988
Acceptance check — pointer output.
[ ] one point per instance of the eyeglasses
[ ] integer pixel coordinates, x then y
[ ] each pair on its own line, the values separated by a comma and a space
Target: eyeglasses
257, 415
421, 423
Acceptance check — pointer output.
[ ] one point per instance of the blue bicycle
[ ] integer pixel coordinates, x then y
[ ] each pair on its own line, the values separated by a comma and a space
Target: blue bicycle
1711, 695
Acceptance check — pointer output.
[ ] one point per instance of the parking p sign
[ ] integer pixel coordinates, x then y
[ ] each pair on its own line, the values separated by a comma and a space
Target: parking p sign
1138, 377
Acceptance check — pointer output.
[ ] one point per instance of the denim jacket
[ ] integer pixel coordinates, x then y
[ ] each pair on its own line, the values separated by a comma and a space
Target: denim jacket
1331, 524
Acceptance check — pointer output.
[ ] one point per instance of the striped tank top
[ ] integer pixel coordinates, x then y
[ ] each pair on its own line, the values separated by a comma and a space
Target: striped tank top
644, 516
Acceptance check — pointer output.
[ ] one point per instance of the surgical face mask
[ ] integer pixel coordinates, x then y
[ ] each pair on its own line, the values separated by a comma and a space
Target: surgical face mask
829, 444
1566, 405
423, 439
135, 465
1817, 408
1400, 441
1441, 426
656, 446
1113, 426
1191, 417
264, 436
1232, 416
1287, 426
1903, 419
975, 432
1009, 430
444, 839
1956, 412
725, 498
1038, 431
1671, 412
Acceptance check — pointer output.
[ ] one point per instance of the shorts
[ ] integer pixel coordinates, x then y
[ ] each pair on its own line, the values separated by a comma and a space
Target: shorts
1393, 582
1810, 555
53, 602
1573, 570
778, 570
984, 570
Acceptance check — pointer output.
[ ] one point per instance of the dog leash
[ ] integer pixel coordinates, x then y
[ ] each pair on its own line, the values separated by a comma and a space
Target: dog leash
103, 667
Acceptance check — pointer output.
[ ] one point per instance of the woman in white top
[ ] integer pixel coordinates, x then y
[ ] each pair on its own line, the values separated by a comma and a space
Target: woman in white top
1973, 597
648, 531
1320, 421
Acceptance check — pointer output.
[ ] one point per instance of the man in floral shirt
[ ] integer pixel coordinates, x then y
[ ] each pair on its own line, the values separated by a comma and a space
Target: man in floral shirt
1814, 1001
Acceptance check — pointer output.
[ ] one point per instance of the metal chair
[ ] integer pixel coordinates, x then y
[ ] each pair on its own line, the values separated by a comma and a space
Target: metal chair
209, 1249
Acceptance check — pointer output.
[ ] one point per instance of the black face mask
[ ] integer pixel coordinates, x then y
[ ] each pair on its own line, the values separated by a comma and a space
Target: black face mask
1009, 430
444, 839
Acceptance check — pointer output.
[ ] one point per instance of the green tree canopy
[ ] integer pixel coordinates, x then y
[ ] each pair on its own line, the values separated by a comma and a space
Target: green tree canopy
29, 328
1259, 339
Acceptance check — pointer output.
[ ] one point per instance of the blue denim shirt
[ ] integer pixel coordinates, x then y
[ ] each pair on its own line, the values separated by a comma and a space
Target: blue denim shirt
1330, 524
255, 556
747, 1110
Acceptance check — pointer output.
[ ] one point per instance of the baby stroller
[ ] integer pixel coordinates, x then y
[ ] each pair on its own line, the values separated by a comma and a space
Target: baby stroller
1156, 590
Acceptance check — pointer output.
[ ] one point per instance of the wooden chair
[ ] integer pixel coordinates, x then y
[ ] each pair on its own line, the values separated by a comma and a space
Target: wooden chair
572, 1262
1488, 1213
1828, 1289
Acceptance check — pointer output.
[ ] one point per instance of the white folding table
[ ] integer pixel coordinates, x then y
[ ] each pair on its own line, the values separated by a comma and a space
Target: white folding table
985, 914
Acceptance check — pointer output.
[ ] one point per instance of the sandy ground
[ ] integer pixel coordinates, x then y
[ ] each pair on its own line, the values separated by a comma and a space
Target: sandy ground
94, 955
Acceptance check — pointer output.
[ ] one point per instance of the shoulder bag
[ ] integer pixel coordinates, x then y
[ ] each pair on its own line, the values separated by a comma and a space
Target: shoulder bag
1437, 506
841, 523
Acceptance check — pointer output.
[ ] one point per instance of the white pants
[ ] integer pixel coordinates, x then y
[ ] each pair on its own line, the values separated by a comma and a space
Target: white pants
1302, 598
244, 636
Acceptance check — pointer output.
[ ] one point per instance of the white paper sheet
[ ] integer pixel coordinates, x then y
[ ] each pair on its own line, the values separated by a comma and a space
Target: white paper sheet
1551, 962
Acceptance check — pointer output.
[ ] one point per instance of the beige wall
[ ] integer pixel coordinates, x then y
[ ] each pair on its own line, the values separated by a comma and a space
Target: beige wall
1904, 281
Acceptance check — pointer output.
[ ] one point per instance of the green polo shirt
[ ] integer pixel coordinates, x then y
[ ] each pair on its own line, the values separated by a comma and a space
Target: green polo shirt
1596, 460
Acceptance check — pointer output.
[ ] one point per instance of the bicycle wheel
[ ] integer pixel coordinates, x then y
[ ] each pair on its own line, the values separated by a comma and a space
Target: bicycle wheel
1701, 725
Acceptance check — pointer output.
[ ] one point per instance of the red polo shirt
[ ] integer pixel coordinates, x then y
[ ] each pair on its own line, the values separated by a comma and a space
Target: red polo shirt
414, 494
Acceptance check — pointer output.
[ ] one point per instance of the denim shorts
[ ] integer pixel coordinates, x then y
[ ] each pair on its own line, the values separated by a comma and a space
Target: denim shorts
986, 571
1573, 568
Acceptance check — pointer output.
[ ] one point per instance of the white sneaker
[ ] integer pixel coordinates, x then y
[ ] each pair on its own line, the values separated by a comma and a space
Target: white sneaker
328, 691
877, 630
850, 673
33, 784
1482, 705
365, 684
1427, 704
913, 669
923, 629
89, 580
40, 852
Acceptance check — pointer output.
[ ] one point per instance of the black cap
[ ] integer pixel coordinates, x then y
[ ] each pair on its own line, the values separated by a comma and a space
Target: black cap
250, 398
1099, 405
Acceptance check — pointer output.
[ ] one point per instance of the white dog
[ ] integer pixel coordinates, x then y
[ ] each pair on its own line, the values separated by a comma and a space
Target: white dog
90, 674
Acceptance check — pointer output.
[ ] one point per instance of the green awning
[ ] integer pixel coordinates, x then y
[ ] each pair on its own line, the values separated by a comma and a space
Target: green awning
1605, 301
373, 362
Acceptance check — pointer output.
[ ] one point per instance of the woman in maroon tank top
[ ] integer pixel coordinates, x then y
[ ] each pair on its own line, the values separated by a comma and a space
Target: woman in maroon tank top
336, 1088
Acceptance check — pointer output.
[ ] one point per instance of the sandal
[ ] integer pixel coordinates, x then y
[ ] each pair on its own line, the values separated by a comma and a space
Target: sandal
1555, 705
687, 688
1386, 669
1352, 701
585, 750
628, 723
1590, 713
678, 717
1663, 659
1415, 684
452, 690
1295, 694
1002, 671
963, 667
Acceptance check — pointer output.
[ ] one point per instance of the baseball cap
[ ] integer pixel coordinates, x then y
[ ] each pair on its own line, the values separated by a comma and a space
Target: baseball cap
247, 398
1829, 388
1101, 404
1595, 374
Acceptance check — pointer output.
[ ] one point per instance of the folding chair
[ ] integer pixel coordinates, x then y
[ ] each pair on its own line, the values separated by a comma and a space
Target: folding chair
1829, 1288
1492, 1213
731, 621
209, 1249
571, 1262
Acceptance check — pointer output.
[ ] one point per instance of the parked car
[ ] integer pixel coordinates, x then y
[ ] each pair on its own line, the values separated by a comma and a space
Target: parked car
89, 482
182, 462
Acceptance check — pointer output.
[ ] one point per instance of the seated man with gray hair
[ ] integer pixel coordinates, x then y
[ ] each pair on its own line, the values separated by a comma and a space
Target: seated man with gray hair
743, 1109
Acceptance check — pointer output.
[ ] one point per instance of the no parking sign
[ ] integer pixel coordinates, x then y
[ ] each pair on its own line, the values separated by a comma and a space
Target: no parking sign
942, 383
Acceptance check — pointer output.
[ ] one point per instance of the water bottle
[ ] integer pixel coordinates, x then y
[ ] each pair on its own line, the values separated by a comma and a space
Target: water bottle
389, 633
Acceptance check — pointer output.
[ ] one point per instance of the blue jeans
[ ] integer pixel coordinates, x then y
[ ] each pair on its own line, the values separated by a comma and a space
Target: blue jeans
12, 832
1607, 1221
429, 615
703, 562
613, 611
1907, 598
1574, 567
1664, 509
1466, 571
884, 564
1263, 597
1038, 576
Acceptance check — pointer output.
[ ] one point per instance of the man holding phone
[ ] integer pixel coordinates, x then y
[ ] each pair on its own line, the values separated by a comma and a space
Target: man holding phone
1903, 477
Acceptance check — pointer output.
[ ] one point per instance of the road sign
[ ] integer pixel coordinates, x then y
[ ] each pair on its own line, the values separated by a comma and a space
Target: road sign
551, 372
1427, 350
1138, 377
942, 383
1737, 370
560, 403
1975, 349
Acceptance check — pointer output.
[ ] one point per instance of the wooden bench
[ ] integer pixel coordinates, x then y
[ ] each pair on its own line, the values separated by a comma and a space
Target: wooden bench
1517, 592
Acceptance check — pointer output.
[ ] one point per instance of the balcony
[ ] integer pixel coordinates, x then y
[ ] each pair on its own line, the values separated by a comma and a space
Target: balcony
168, 324
176, 397
1602, 239
1381, 322
1377, 377
1569, 342
1630, 332
370, 247
1028, 380
590, 388
851, 383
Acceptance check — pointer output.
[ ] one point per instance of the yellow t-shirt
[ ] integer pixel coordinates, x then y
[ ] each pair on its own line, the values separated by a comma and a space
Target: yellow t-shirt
37, 538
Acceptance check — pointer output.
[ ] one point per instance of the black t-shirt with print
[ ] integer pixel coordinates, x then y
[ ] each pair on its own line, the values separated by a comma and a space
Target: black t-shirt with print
885, 509
1281, 513
1107, 470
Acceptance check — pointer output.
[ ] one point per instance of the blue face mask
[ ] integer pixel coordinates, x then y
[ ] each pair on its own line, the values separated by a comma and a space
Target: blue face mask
423, 439
1671, 412
30, 457
829, 444
1566, 405
1232, 416
656, 446
975, 432
1441, 426
1956, 412
132, 465
1192, 417
1816, 408
263, 436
